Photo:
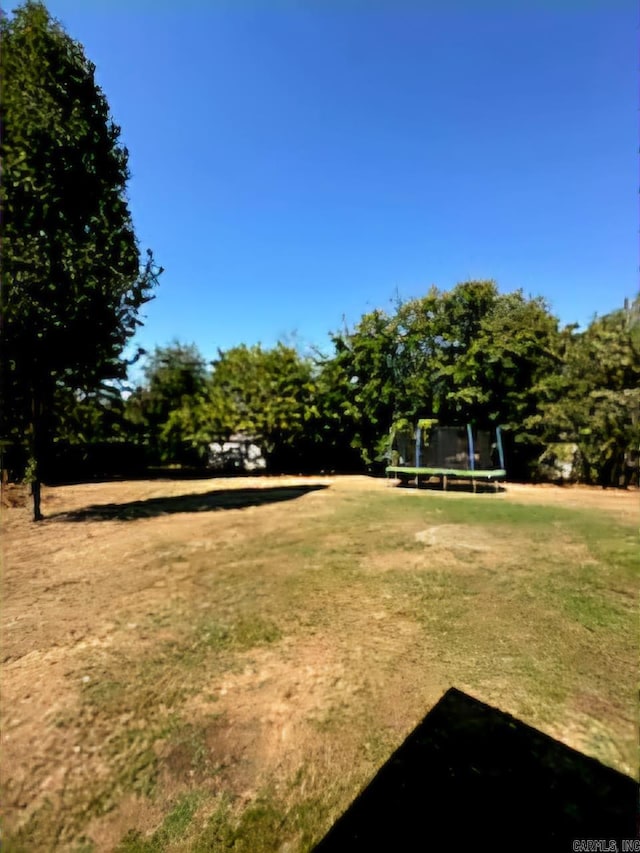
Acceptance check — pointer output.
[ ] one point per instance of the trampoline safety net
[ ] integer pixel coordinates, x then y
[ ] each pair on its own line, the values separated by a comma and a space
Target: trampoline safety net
445, 447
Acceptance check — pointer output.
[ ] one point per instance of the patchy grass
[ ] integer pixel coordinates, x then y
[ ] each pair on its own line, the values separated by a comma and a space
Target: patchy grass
174, 828
231, 678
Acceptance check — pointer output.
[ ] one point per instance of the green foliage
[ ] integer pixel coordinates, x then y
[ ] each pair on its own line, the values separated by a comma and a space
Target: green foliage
267, 395
72, 284
364, 396
436, 330
504, 373
466, 355
427, 423
263, 393
595, 401
90, 436
175, 382
336, 416
469, 355
84, 417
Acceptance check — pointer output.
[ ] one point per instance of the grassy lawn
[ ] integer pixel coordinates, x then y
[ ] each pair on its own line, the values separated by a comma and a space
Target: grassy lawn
227, 674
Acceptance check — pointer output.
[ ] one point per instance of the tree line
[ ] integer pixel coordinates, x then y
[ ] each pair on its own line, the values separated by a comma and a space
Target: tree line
73, 283
467, 355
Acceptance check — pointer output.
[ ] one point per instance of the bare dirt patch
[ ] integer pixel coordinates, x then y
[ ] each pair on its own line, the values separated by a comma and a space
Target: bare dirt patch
454, 536
621, 503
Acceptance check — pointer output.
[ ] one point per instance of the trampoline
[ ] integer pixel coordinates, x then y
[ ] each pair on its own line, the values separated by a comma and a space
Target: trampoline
447, 452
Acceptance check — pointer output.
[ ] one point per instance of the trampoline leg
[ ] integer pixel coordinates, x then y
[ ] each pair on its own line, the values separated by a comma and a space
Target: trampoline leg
444, 482
473, 481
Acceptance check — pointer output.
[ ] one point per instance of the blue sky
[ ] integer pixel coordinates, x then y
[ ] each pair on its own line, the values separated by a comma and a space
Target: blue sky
297, 162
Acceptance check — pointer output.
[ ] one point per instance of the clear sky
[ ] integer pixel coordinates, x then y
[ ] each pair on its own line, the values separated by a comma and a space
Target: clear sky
296, 162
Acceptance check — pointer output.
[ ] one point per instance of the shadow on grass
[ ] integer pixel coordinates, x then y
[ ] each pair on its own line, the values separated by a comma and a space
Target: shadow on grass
474, 774
206, 502
453, 485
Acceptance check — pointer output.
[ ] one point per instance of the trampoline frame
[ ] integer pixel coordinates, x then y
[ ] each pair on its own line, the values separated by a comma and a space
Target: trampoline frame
490, 475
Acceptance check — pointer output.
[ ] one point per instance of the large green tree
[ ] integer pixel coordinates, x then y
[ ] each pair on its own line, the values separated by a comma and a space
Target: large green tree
467, 355
361, 393
72, 282
595, 401
267, 395
399, 365
435, 334
503, 377
175, 381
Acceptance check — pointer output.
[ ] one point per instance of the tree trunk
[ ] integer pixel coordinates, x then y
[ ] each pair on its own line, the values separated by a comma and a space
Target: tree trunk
35, 454
35, 492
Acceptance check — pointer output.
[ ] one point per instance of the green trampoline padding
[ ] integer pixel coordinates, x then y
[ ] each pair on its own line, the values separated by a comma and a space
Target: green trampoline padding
447, 472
